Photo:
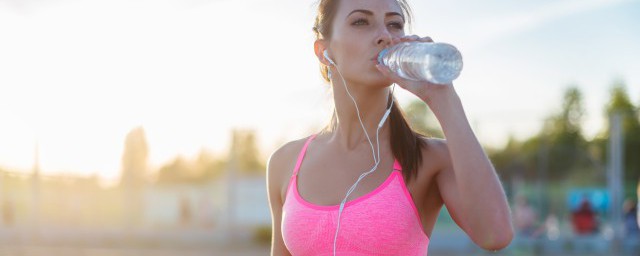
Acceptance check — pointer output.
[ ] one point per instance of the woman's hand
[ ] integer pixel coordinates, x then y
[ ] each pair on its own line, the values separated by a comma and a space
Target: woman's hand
423, 89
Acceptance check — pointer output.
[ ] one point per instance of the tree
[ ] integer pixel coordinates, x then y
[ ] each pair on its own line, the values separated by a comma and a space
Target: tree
135, 158
208, 167
133, 179
562, 142
556, 151
202, 169
510, 161
244, 153
421, 119
176, 171
619, 102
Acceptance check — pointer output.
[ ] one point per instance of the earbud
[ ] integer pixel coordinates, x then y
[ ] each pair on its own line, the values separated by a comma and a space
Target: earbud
384, 118
326, 56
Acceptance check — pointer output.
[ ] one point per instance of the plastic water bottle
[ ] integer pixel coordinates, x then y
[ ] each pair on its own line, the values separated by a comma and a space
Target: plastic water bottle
438, 63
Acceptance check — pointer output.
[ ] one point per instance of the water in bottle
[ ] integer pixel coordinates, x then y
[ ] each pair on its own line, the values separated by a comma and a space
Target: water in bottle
438, 63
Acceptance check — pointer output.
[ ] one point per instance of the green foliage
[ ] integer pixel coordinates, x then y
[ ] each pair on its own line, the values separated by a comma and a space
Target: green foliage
555, 152
560, 153
562, 147
619, 102
204, 168
244, 153
511, 160
243, 157
262, 234
421, 119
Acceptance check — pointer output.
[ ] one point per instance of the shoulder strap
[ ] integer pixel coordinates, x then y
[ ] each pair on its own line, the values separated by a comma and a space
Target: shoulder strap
302, 153
396, 165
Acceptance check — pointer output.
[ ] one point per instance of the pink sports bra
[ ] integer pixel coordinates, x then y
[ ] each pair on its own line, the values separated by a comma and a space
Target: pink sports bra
385, 221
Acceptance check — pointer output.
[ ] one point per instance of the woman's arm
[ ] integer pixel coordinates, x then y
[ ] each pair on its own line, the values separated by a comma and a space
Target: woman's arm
275, 173
468, 183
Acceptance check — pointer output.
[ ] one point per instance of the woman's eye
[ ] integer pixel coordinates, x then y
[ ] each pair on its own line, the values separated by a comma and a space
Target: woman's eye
396, 25
360, 22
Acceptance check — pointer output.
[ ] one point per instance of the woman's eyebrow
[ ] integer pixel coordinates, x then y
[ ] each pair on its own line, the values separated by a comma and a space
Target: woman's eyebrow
367, 12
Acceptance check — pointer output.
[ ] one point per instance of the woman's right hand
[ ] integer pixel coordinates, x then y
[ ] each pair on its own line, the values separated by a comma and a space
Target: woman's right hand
422, 89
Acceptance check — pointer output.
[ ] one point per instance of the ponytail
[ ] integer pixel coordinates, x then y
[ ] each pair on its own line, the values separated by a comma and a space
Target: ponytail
406, 144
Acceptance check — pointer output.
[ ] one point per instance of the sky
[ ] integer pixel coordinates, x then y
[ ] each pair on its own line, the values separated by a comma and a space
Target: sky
77, 76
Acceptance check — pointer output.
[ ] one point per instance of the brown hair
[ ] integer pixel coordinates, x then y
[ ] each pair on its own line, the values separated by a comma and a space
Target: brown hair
406, 144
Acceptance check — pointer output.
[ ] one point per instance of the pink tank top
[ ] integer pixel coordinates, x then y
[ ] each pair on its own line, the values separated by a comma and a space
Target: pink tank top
384, 221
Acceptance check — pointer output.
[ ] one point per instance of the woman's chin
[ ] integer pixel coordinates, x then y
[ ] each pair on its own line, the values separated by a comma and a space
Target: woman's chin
381, 83
372, 79
382, 80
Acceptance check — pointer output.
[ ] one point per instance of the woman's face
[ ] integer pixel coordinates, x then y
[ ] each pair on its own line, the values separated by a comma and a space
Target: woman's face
361, 29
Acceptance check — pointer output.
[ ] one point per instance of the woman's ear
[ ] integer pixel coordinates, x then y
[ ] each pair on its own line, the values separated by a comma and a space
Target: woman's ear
319, 47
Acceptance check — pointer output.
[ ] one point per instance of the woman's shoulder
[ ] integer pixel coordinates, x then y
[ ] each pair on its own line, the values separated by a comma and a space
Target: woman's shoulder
282, 160
288, 150
436, 151
434, 144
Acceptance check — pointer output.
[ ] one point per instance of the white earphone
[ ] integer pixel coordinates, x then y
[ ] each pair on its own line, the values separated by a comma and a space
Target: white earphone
326, 56
376, 155
386, 114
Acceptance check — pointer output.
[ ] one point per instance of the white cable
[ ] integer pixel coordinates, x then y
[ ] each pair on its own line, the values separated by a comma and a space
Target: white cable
358, 112
376, 157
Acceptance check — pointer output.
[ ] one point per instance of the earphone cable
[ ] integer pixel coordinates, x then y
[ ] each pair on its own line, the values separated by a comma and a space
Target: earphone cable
376, 155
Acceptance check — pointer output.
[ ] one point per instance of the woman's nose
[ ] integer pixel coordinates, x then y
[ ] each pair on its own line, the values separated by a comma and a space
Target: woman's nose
384, 37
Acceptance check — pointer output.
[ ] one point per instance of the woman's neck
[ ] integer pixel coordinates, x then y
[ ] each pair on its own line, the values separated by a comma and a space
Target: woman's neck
372, 104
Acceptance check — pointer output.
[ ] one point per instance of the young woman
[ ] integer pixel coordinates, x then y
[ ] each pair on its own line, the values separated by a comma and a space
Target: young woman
409, 177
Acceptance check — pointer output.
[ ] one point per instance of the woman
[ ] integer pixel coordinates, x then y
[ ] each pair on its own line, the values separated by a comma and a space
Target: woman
393, 209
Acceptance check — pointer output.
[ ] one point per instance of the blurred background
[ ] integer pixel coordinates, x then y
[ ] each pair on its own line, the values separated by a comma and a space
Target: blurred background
143, 127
